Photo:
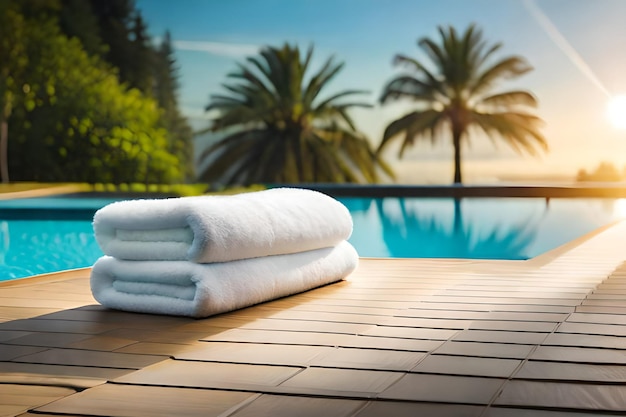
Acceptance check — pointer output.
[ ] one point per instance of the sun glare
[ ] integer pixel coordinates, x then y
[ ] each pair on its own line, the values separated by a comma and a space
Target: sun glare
619, 208
617, 111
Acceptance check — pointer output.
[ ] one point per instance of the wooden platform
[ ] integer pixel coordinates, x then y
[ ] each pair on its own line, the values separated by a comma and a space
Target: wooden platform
545, 337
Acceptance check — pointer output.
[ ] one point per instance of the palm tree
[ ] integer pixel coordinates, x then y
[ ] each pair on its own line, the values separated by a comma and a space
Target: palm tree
456, 97
278, 129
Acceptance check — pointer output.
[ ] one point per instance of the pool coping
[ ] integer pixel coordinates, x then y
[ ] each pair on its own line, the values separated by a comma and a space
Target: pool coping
47, 278
588, 190
39, 191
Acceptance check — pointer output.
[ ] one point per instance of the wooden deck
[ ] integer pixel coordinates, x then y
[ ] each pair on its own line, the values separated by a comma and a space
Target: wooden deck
545, 337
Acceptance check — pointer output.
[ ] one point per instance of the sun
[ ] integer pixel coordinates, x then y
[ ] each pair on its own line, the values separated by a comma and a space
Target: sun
616, 111
619, 208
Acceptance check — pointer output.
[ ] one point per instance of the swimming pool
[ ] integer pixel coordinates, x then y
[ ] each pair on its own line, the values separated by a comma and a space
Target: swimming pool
52, 234
475, 228
42, 235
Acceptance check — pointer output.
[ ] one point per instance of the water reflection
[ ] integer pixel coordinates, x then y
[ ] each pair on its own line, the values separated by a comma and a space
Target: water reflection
358, 205
449, 228
429, 235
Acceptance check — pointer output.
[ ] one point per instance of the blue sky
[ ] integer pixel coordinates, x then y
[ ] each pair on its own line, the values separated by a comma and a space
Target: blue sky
577, 47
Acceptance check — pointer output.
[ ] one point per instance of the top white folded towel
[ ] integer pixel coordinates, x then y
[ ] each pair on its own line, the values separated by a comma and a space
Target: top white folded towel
222, 228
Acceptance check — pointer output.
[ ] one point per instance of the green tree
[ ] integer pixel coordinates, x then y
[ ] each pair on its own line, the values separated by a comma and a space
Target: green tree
456, 96
166, 76
13, 62
165, 89
77, 19
115, 31
140, 69
278, 128
115, 26
76, 122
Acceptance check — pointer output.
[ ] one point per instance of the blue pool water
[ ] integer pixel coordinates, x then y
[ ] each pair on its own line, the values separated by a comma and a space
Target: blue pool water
42, 235
52, 234
475, 228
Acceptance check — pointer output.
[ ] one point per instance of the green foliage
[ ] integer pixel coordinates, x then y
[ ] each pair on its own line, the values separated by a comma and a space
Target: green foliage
76, 19
182, 190
13, 62
13, 59
278, 128
456, 96
119, 35
115, 23
166, 85
76, 122
72, 116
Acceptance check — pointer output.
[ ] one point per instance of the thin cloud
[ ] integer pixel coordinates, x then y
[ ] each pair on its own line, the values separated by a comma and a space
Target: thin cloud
563, 44
235, 50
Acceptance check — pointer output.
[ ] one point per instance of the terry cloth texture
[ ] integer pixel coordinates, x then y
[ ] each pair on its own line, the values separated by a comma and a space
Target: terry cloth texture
200, 290
222, 228
200, 256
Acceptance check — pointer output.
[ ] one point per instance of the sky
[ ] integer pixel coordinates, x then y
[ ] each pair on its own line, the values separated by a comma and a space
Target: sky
576, 47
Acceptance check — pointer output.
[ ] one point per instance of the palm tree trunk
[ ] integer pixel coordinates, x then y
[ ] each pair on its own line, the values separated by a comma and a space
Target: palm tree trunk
458, 225
456, 142
4, 141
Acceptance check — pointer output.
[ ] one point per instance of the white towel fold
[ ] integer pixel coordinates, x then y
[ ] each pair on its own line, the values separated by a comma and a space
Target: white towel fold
222, 228
200, 290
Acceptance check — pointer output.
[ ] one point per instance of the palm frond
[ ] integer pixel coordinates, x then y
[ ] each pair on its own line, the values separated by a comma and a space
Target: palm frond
401, 59
511, 67
225, 153
292, 135
262, 162
330, 101
219, 101
479, 58
508, 99
430, 78
247, 76
409, 87
396, 127
356, 150
261, 85
413, 125
519, 130
276, 72
320, 79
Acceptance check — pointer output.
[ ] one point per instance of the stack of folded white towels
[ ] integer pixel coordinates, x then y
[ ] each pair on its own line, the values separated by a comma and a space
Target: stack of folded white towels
200, 256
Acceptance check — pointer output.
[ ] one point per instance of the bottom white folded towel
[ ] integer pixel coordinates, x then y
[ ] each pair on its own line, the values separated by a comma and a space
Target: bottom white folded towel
201, 290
